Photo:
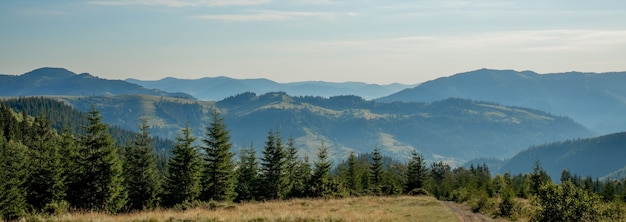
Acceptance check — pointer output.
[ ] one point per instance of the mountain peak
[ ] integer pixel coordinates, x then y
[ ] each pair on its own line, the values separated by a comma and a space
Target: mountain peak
50, 72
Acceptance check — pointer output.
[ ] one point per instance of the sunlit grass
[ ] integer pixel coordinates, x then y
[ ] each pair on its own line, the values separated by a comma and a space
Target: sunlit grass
403, 208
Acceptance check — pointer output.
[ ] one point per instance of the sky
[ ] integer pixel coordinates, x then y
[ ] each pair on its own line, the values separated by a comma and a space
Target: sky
373, 41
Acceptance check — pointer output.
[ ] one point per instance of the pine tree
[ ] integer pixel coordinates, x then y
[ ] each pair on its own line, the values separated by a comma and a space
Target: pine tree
376, 171
300, 185
291, 166
140, 173
247, 176
538, 178
219, 173
73, 169
320, 180
416, 173
184, 171
12, 178
353, 177
46, 182
102, 182
273, 177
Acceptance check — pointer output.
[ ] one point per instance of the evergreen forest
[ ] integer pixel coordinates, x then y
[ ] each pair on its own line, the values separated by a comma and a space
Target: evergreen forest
54, 160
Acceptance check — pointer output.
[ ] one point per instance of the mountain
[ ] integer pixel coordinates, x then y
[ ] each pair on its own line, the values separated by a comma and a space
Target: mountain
217, 88
452, 130
597, 100
596, 157
59, 81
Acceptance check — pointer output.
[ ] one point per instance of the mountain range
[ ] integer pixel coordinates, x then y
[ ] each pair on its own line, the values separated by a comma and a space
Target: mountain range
597, 100
452, 130
59, 81
218, 88
454, 119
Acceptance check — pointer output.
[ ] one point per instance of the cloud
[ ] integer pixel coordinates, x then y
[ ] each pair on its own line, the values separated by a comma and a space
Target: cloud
265, 15
180, 3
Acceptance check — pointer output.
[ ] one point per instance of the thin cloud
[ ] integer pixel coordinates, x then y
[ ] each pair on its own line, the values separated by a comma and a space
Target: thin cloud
180, 3
265, 16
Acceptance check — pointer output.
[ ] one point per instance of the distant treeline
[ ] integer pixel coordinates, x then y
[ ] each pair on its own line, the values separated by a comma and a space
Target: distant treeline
50, 171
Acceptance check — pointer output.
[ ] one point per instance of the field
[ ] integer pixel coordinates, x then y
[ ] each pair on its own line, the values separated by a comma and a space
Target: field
403, 208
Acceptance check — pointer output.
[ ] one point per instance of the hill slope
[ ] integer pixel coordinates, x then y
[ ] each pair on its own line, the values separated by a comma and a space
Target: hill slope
218, 88
598, 101
453, 130
59, 81
595, 157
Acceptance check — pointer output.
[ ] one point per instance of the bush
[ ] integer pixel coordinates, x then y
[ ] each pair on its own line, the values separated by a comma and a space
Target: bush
565, 202
419, 192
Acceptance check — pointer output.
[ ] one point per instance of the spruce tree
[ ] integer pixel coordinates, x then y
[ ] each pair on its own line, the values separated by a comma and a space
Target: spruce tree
320, 180
416, 172
102, 181
353, 177
273, 177
46, 182
376, 171
184, 171
13, 175
140, 173
247, 175
291, 166
219, 172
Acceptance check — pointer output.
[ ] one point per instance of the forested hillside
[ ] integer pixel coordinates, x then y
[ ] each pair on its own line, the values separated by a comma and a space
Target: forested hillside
45, 174
597, 100
454, 130
593, 157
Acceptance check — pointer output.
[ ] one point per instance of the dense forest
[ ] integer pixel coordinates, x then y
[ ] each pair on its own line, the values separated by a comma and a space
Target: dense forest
52, 168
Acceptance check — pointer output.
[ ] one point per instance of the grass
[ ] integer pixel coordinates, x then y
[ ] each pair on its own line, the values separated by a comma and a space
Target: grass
402, 208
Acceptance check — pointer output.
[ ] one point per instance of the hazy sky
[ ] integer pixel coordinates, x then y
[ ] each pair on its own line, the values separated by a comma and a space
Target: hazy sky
376, 41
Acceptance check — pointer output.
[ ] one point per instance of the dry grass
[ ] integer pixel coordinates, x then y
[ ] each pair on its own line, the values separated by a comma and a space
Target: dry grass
404, 208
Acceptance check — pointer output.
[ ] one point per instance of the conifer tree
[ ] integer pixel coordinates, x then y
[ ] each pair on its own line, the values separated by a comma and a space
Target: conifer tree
300, 185
376, 171
140, 173
320, 180
46, 182
273, 177
184, 171
12, 178
416, 172
353, 177
247, 175
291, 166
102, 182
219, 173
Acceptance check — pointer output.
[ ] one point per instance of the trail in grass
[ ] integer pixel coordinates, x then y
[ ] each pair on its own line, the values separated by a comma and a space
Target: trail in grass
465, 215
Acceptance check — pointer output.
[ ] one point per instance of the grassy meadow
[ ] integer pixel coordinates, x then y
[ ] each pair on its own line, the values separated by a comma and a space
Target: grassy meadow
401, 208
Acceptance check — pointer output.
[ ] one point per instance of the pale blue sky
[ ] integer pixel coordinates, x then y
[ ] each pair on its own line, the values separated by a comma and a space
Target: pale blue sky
331, 40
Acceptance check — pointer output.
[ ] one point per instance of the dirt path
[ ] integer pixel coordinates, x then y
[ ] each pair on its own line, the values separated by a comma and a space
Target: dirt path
464, 215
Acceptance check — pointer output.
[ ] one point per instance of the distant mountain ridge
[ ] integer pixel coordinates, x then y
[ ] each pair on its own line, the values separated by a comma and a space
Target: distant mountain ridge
597, 100
59, 81
218, 88
452, 130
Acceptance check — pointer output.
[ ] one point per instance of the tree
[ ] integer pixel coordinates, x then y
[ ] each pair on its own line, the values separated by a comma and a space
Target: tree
219, 173
291, 166
273, 177
376, 171
247, 175
13, 175
538, 178
320, 180
140, 172
565, 202
102, 182
45, 183
353, 177
184, 171
416, 172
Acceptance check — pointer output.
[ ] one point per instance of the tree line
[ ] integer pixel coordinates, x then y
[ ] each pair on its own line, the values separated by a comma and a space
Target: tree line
45, 171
